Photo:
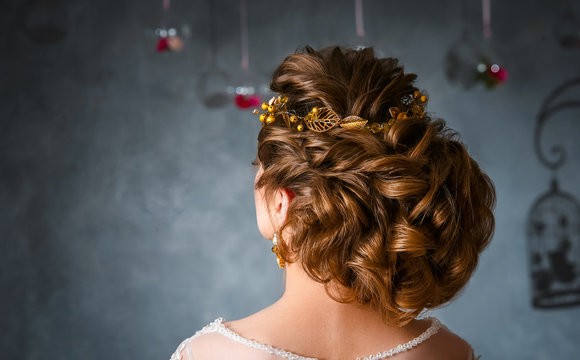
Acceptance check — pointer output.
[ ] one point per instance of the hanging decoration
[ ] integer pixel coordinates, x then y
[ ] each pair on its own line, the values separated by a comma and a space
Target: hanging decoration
213, 82
168, 38
246, 88
468, 63
44, 21
554, 223
359, 18
360, 40
568, 28
461, 62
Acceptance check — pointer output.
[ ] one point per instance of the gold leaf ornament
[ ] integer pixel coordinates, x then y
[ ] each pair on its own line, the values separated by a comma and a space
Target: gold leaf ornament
321, 119
353, 122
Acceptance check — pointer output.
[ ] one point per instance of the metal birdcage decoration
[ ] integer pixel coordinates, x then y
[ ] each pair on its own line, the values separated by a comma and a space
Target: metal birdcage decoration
554, 242
554, 225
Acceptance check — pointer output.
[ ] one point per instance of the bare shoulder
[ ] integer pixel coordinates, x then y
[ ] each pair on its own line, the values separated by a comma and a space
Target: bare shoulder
444, 345
214, 343
198, 347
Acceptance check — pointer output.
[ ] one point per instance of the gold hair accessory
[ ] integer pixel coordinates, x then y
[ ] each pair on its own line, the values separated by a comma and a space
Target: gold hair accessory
322, 119
275, 250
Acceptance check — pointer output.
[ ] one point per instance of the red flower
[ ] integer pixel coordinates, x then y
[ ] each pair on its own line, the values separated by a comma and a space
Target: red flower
497, 73
162, 44
246, 102
502, 75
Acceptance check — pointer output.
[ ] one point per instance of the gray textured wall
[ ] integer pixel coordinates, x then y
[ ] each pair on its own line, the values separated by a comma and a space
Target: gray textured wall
127, 219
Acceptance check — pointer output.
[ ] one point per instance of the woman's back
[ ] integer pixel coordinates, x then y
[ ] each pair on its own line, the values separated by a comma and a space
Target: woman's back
310, 325
219, 340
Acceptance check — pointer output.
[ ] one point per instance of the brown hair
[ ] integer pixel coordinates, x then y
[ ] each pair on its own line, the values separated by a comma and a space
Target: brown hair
397, 219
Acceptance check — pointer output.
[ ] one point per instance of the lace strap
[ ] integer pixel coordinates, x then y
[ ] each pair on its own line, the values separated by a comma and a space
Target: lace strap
432, 330
219, 327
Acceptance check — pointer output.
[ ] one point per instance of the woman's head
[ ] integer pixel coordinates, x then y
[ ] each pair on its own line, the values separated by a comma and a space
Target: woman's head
397, 218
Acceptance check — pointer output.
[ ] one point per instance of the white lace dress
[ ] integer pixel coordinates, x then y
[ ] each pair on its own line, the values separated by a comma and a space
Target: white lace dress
216, 341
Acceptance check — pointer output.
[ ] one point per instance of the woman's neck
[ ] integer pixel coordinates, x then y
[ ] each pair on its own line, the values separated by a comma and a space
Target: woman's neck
306, 320
310, 297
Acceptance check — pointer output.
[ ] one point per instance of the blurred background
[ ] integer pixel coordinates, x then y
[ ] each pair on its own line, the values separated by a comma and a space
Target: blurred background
126, 206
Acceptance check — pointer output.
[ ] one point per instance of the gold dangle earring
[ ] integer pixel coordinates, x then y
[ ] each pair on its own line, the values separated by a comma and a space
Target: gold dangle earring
275, 250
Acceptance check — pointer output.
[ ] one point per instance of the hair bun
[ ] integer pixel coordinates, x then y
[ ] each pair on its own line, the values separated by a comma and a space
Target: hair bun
398, 219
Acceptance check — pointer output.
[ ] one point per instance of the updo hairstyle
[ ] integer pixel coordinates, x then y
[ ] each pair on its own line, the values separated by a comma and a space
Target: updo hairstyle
398, 219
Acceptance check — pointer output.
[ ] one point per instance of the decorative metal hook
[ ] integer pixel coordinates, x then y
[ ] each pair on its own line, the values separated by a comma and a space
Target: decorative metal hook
550, 107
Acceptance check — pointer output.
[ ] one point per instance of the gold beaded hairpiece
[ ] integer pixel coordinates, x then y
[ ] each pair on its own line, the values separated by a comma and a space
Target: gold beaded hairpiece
322, 119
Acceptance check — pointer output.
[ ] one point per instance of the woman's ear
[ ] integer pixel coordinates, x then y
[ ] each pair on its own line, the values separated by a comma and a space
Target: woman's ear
282, 200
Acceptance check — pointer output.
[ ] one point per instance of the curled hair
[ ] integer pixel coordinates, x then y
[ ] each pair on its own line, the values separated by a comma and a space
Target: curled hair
399, 219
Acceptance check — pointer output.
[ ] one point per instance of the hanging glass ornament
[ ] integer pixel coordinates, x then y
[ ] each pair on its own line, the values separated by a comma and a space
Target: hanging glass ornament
213, 85
247, 91
247, 86
468, 62
554, 224
213, 82
461, 63
44, 21
170, 37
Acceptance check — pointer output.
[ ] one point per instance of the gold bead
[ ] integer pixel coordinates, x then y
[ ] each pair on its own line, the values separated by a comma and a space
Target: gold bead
402, 116
255, 112
271, 108
270, 119
385, 126
375, 128
416, 94
264, 106
293, 118
416, 109
314, 110
262, 117
423, 98
394, 111
283, 99
299, 127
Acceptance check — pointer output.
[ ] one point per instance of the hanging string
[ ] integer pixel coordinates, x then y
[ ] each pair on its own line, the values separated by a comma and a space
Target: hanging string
244, 35
165, 6
358, 17
464, 21
212, 33
486, 17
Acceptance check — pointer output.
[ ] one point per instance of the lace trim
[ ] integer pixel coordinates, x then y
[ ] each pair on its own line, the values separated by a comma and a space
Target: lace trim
177, 354
218, 326
432, 330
